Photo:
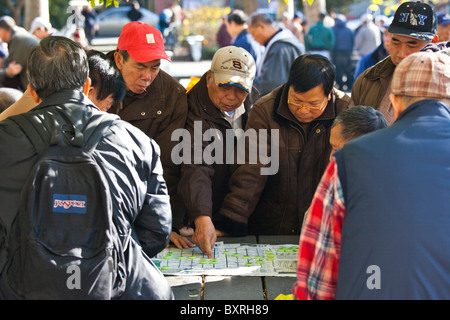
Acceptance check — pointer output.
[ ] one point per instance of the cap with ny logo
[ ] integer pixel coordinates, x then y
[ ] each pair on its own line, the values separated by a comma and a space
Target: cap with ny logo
415, 19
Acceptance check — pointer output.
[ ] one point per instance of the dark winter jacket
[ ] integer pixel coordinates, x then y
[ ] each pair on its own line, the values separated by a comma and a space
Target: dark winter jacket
275, 203
131, 164
203, 186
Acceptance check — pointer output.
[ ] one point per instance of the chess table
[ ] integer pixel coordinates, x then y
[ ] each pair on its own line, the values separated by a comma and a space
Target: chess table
235, 287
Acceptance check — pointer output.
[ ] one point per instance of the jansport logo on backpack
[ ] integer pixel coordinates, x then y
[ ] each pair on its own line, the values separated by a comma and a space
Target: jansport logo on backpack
69, 203
63, 243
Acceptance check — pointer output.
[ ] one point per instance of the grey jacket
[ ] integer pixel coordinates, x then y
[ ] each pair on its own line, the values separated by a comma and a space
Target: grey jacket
279, 54
139, 193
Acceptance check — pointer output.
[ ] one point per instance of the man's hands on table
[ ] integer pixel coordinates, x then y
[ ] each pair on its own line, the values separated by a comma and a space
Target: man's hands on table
204, 236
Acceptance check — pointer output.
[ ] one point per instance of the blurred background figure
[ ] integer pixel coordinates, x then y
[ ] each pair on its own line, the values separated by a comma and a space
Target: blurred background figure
368, 36
237, 28
381, 52
134, 14
41, 28
13, 73
177, 13
169, 21
90, 23
281, 49
3, 52
342, 53
320, 38
165, 19
8, 96
443, 30
75, 27
223, 37
296, 26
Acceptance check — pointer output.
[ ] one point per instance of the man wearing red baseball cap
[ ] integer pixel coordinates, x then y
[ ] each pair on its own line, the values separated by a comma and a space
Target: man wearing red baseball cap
155, 102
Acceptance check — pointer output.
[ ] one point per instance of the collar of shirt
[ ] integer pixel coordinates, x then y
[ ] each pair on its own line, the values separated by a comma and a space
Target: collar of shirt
235, 118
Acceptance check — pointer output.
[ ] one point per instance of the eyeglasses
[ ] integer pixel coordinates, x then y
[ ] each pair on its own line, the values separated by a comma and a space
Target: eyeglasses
306, 105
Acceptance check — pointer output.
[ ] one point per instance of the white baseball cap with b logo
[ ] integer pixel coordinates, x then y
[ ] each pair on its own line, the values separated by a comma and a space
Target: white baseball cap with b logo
234, 66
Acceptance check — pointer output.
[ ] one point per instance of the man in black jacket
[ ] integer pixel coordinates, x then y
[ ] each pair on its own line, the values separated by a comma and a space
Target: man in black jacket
59, 82
155, 102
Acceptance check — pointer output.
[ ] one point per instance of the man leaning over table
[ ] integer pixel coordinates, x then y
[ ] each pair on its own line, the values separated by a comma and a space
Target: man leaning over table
219, 104
271, 197
155, 102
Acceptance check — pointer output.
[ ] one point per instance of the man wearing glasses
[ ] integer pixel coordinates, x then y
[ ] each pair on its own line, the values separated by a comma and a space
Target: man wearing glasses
302, 111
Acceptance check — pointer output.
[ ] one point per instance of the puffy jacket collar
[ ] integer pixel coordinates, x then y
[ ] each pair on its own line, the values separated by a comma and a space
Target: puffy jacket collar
200, 92
64, 97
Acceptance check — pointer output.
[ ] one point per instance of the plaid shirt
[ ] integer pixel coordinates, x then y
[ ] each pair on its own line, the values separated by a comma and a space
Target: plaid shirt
320, 241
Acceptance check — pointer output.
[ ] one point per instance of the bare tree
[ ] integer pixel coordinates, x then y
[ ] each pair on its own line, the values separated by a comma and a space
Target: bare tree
283, 7
313, 9
35, 9
16, 9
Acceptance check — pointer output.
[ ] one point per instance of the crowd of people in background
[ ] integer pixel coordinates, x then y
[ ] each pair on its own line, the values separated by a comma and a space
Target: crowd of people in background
358, 47
332, 101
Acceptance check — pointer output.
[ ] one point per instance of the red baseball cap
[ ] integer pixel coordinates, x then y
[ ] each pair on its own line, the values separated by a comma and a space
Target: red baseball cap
142, 42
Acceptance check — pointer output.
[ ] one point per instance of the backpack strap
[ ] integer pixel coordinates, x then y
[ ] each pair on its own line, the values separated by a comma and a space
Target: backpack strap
66, 134
88, 138
33, 131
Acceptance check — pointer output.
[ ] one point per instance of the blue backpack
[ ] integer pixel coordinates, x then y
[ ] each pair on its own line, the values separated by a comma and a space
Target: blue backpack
63, 243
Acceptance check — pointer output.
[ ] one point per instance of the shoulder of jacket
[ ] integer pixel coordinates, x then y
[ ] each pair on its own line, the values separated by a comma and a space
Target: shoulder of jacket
119, 127
23, 35
341, 95
382, 69
267, 100
286, 43
168, 80
167, 77
342, 100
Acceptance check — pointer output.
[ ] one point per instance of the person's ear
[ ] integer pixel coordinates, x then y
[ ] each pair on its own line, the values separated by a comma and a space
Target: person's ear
209, 78
118, 59
435, 39
87, 86
33, 94
397, 104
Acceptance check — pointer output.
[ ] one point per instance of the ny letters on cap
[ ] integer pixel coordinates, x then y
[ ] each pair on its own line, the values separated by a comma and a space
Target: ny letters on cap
415, 19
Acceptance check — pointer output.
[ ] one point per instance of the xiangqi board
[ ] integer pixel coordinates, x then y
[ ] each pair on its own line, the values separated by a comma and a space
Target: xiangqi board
230, 259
